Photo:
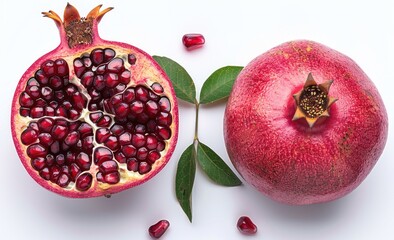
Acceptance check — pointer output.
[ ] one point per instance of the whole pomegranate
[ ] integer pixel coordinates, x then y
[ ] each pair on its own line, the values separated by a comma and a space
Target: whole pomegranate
93, 117
304, 124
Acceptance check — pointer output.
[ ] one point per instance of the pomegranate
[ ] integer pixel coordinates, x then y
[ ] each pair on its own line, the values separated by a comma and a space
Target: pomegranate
193, 40
304, 124
93, 117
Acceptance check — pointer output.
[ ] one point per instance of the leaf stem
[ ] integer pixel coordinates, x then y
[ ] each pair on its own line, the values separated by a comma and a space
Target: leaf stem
197, 104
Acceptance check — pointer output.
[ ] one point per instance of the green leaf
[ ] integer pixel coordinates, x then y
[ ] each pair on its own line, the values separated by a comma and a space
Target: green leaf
184, 179
219, 84
215, 167
181, 80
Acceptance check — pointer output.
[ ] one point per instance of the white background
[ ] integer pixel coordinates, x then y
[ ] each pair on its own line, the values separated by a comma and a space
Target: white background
236, 32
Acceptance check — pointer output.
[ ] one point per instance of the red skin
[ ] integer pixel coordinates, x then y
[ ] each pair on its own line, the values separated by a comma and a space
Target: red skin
286, 160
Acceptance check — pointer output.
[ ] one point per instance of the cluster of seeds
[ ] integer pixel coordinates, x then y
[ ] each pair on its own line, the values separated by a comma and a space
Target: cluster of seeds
49, 93
313, 101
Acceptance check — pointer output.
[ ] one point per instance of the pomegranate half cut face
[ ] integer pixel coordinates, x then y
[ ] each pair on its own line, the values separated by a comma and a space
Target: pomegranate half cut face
93, 117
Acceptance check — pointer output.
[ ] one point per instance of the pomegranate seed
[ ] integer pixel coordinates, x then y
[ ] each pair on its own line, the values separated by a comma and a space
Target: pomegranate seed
79, 101
163, 132
142, 118
153, 156
25, 100
101, 155
112, 143
164, 119
55, 147
125, 77
84, 181
105, 121
38, 163
144, 167
94, 117
97, 56
59, 95
55, 173
112, 178
45, 139
165, 104
74, 171
45, 174
65, 169
40, 77
48, 67
37, 112
246, 226
142, 153
151, 142
136, 107
129, 150
55, 82
131, 59
101, 69
50, 160
120, 157
33, 91
83, 160
32, 82
67, 105
87, 79
102, 134
193, 40
99, 82
129, 95
87, 144
122, 109
158, 229
61, 67
29, 136
36, 150
108, 54
61, 111
87, 62
117, 129
72, 138
153, 96
63, 180
152, 108
60, 159
34, 125
139, 128
108, 167
132, 164
125, 138
59, 132
115, 65
157, 88
49, 111
85, 129
160, 146
151, 125
141, 93
138, 140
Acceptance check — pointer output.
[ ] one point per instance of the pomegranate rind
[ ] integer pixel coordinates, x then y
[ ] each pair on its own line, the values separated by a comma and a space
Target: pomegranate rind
287, 160
146, 72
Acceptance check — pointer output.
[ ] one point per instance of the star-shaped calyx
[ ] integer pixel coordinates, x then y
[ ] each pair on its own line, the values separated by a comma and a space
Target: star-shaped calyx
312, 101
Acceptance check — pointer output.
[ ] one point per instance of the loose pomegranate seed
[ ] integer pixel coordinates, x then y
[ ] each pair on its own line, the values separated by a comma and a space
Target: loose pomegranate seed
158, 229
193, 40
84, 181
246, 226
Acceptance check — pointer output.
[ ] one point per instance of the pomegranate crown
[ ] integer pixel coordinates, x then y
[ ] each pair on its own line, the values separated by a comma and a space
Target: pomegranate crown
77, 30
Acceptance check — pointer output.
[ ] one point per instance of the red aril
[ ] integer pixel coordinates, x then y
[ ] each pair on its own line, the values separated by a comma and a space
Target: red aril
76, 110
246, 226
158, 229
304, 124
193, 40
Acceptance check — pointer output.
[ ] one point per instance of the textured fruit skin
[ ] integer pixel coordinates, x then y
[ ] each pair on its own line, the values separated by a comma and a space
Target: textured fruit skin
146, 69
286, 160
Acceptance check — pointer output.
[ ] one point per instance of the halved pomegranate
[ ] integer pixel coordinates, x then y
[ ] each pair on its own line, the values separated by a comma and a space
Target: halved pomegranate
93, 117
